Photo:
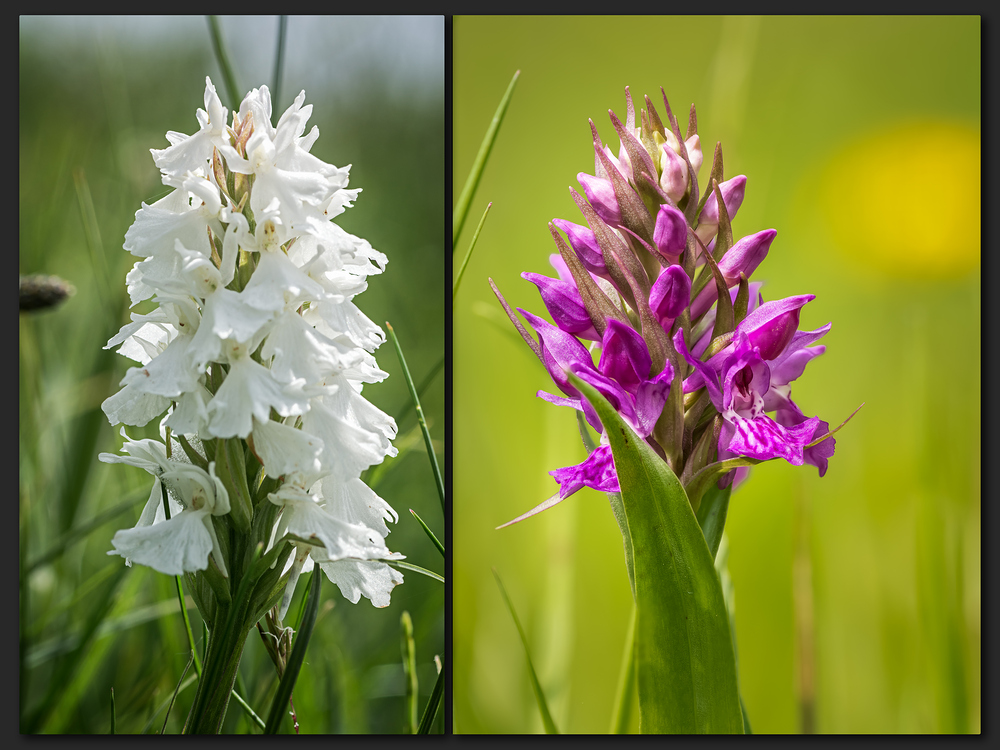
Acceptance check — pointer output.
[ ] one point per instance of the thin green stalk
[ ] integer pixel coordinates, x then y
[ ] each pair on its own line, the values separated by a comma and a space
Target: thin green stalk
426, 528
113, 722
468, 254
433, 703
626, 681
295, 659
279, 60
420, 415
184, 686
404, 410
472, 182
222, 56
187, 627
180, 598
543, 706
176, 691
249, 711
409, 650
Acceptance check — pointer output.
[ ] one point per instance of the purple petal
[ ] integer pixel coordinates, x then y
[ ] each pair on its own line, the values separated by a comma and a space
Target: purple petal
792, 365
565, 305
650, 398
584, 244
597, 471
772, 325
819, 454
601, 195
746, 255
670, 232
670, 294
703, 373
763, 438
674, 178
732, 191
624, 356
743, 257
560, 350
617, 396
709, 320
746, 377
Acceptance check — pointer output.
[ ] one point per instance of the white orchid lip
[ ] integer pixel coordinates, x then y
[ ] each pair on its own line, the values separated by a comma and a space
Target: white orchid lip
255, 339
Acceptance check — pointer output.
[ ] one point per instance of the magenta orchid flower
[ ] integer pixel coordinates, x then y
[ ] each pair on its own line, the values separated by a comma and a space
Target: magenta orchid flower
635, 286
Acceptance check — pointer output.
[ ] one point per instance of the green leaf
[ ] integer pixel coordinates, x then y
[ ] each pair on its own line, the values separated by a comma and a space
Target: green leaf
685, 664
472, 181
297, 656
712, 516
427, 530
543, 706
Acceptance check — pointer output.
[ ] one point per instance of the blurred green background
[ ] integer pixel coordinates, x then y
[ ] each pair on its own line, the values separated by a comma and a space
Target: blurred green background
95, 94
857, 595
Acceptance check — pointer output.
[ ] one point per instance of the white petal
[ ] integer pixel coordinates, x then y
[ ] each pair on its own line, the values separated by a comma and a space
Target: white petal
356, 577
133, 407
355, 502
173, 547
285, 450
304, 518
250, 390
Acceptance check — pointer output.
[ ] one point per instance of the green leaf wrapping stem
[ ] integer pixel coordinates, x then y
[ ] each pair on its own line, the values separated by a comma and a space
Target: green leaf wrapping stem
685, 664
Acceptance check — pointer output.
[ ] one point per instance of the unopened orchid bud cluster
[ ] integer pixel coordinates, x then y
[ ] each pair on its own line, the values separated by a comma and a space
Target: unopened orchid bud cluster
653, 307
255, 356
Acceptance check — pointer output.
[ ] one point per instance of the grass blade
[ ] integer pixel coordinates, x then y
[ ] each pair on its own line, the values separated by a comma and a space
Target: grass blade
626, 681
400, 565
472, 181
543, 706
65, 669
184, 686
295, 659
420, 415
426, 528
468, 254
409, 650
433, 703
78, 533
279, 60
222, 57
112, 711
176, 691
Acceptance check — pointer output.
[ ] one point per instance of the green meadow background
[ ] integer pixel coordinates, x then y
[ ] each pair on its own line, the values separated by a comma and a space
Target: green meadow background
858, 595
95, 94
